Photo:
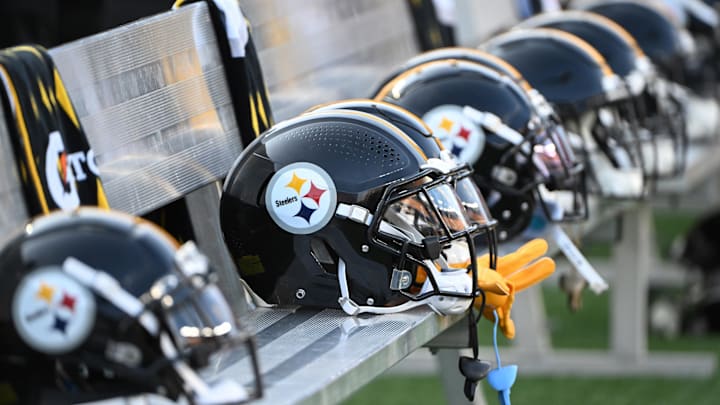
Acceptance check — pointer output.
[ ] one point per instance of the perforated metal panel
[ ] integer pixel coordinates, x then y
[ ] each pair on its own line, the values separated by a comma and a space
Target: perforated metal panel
320, 357
327, 50
153, 101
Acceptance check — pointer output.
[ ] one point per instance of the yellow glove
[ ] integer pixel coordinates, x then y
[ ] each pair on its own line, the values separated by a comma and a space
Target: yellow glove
515, 272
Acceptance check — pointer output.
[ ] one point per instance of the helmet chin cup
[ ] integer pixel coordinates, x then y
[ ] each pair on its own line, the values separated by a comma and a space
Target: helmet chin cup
447, 282
455, 281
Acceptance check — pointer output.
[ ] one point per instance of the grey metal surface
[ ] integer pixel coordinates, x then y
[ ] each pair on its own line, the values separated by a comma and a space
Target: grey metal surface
327, 50
13, 212
203, 206
628, 306
478, 20
702, 163
321, 357
154, 104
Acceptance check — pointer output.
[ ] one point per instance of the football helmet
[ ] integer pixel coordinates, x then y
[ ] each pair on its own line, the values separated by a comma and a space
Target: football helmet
98, 304
487, 120
543, 108
661, 128
667, 44
461, 174
470, 197
589, 98
340, 209
672, 49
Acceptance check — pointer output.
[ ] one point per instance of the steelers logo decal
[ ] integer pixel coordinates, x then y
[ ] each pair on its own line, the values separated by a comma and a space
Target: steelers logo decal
301, 198
52, 312
458, 133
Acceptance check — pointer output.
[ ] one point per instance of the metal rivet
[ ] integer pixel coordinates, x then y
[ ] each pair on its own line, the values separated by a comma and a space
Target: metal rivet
300, 293
503, 235
524, 206
365, 248
370, 301
506, 214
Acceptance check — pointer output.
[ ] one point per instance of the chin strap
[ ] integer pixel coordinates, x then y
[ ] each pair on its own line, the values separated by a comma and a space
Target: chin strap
472, 368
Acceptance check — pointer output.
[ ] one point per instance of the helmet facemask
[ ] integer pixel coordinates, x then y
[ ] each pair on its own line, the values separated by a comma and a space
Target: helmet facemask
611, 147
664, 116
424, 225
563, 198
545, 153
192, 322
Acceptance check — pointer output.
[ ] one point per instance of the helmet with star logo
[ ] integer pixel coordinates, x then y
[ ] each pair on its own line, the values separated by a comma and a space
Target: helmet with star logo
341, 209
461, 174
97, 304
487, 120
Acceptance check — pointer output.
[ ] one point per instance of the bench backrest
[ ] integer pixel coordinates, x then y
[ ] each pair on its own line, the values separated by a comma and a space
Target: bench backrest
154, 104
327, 50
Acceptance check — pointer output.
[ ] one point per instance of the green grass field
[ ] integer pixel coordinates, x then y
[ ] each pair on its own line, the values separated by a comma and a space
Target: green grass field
585, 329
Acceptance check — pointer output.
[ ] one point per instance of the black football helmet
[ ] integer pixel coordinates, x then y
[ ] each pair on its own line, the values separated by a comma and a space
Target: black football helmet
470, 197
589, 98
461, 174
549, 120
341, 209
654, 30
486, 119
97, 304
672, 50
542, 107
661, 128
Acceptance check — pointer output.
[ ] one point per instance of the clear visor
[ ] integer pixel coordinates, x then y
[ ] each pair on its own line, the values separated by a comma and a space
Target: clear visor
435, 212
473, 202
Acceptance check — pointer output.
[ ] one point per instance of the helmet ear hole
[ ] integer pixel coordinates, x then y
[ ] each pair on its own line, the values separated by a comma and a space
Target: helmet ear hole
324, 255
